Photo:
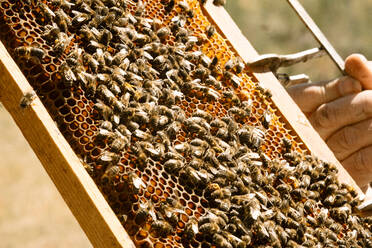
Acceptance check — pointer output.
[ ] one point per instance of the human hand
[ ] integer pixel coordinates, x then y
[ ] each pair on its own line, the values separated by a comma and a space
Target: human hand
341, 112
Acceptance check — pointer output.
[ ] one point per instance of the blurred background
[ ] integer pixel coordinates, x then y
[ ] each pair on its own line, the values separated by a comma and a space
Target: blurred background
32, 213
273, 27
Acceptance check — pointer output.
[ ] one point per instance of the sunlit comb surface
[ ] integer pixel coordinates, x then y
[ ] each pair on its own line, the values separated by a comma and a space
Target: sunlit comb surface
188, 150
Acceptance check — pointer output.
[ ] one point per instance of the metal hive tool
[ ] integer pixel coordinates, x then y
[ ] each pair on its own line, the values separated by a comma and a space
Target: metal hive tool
187, 147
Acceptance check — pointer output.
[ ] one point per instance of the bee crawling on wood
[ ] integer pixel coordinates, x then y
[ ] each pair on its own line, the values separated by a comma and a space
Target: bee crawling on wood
27, 99
219, 2
210, 31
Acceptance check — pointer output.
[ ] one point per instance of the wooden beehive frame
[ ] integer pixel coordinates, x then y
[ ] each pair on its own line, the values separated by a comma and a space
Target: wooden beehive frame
65, 169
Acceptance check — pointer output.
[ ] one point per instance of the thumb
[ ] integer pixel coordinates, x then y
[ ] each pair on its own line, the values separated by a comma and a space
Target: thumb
358, 67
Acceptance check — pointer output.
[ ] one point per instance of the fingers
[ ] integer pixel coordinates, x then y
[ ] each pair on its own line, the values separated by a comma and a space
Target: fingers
350, 139
332, 116
310, 96
359, 166
357, 66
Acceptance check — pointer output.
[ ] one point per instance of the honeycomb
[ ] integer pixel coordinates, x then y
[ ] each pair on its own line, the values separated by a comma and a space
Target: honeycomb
185, 144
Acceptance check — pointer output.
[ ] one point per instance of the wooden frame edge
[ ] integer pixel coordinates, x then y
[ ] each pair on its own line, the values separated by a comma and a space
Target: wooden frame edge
291, 112
77, 188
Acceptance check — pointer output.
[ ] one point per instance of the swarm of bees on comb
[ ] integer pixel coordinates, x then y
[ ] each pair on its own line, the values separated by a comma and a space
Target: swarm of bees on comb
187, 147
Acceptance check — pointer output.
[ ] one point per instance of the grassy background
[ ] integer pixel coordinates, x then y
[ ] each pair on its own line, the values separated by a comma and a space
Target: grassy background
32, 214
272, 27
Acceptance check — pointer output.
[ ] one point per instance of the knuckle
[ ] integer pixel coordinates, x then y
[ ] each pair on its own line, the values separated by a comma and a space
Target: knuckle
347, 138
347, 85
362, 161
323, 117
366, 103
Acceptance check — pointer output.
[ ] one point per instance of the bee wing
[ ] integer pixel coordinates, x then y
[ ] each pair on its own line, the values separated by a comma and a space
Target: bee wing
137, 183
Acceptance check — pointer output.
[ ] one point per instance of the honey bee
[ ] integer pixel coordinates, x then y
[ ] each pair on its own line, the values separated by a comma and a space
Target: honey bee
202, 72
67, 74
161, 228
103, 109
145, 210
212, 94
27, 99
280, 218
239, 67
221, 193
141, 117
230, 64
62, 20
91, 62
266, 119
88, 81
106, 125
219, 2
250, 137
135, 182
140, 8
261, 231
191, 228
169, 5
105, 37
48, 13
208, 229
212, 81
218, 123
210, 31
104, 134
240, 225
293, 213
61, 43
220, 241
178, 21
79, 18
182, 147
173, 155
170, 213
234, 79
63, 4
340, 213
311, 220
223, 204
142, 135
111, 174
51, 32
186, 8
30, 53
194, 177
287, 144
119, 144
331, 188
173, 166
263, 91
86, 33
109, 158
163, 33
106, 94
